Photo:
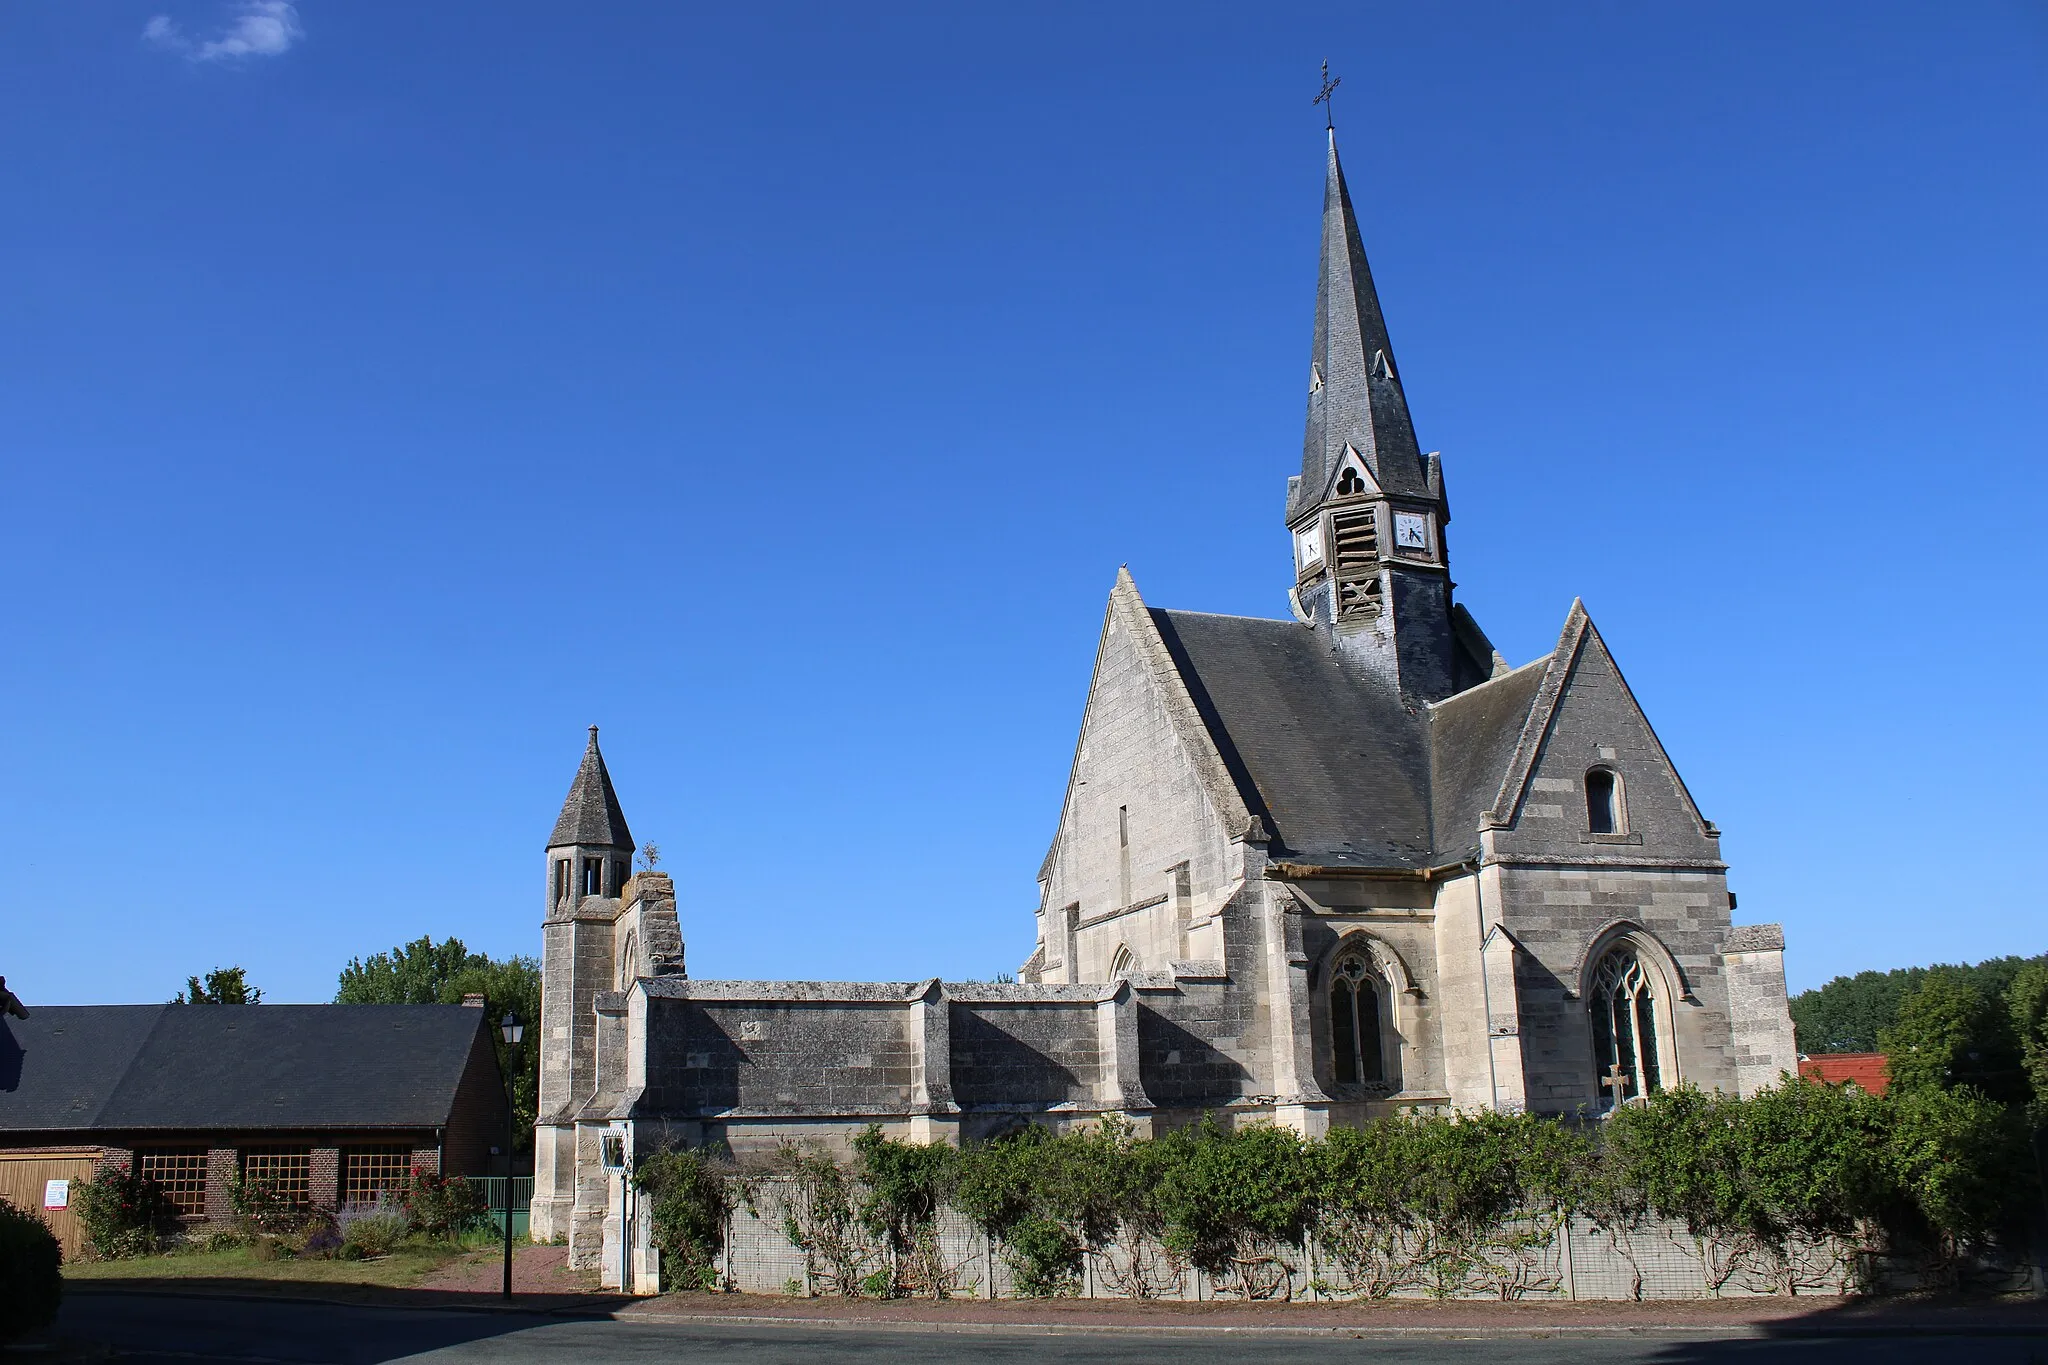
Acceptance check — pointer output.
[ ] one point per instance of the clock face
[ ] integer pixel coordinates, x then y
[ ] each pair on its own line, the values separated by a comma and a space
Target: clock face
1411, 531
1311, 545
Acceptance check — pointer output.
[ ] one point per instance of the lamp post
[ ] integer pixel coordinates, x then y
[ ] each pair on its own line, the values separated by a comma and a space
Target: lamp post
513, 1031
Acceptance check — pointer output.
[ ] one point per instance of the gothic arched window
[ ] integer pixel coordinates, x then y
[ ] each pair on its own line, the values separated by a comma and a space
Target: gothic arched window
1356, 1051
1123, 964
1623, 1001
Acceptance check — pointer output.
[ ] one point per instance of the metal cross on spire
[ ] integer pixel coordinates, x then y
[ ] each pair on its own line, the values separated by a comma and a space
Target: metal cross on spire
1325, 97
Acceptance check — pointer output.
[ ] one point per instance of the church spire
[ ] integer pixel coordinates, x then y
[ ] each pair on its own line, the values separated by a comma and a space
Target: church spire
1367, 511
591, 817
1355, 404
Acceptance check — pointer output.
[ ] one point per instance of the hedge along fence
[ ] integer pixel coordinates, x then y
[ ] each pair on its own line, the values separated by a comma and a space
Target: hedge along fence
1801, 1187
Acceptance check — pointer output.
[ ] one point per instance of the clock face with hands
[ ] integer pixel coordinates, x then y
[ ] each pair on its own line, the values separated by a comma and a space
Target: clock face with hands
1411, 531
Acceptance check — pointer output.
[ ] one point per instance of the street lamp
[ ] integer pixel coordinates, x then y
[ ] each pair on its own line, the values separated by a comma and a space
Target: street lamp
513, 1031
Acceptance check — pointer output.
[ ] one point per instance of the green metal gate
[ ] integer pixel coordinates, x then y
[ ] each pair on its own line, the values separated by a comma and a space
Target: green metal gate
492, 1188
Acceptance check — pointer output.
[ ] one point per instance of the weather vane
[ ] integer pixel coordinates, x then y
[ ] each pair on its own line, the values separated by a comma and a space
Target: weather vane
1329, 89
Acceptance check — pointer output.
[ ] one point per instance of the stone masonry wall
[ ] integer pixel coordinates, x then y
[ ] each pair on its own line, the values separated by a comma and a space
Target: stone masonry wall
1557, 913
1024, 1056
822, 1057
1131, 759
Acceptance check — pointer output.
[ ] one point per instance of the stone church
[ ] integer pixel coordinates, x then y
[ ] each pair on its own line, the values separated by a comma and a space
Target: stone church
1307, 870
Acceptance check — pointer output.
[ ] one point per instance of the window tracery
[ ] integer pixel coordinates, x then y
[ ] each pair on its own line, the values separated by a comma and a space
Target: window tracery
1623, 1002
1358, 1052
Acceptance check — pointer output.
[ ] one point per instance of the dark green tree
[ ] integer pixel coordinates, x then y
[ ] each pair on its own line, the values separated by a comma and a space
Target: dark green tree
222, 986
1848, 1013
1950, 1033
2026, 1000
424, 972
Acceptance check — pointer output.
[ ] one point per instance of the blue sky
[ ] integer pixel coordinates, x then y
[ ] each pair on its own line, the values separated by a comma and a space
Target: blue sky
388, 391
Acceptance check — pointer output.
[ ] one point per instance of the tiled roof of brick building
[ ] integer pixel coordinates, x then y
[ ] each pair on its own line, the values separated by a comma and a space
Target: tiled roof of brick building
1865, 1070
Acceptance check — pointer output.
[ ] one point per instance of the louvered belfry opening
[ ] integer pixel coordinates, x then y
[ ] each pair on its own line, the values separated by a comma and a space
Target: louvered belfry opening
1355, 551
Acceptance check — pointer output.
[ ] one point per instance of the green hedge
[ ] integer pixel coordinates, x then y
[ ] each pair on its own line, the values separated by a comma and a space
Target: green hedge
31, 1278
1440, 1202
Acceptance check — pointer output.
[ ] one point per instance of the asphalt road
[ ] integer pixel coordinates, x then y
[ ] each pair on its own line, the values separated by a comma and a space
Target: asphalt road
146, 1329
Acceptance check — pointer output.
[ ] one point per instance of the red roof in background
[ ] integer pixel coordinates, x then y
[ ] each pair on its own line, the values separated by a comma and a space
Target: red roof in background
1864, 1070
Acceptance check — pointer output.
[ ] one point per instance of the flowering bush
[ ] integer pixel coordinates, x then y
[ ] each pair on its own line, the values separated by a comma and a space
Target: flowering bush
439, 1206
124, 1214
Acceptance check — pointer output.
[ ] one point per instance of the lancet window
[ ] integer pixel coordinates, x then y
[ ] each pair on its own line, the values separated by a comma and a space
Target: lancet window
1357, 1053
1623, 1001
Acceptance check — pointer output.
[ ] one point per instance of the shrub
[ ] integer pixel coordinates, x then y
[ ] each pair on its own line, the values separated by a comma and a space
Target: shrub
124, 1214
322, 1242
1044, 1257
260, 1210
689, 1202
439, 1206
1957, 1167
1225, 1198
816, 1199
370, 1230
906, 1184
31, 1278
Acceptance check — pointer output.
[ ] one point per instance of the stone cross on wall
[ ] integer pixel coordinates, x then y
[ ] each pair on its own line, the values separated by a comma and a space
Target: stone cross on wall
1616, 1080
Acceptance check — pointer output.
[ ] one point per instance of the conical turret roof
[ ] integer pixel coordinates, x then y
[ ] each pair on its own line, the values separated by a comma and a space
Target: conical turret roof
1355, 401
591, 816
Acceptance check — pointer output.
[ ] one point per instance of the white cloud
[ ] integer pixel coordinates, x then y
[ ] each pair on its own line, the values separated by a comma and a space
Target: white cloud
259, 28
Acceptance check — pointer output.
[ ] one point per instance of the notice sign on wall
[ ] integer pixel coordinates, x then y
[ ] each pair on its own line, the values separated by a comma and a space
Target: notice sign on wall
56, 1194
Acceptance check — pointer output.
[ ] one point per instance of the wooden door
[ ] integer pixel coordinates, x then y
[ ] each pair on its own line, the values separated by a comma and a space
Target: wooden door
25, 1176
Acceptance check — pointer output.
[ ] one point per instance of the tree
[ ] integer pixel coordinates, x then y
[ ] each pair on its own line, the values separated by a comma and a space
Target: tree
1949, 1033
223, 986
424, 972
417, 974
2026, 1000
1848, 1013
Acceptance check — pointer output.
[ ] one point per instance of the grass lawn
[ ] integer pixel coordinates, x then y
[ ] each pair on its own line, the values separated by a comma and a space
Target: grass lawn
401, 1269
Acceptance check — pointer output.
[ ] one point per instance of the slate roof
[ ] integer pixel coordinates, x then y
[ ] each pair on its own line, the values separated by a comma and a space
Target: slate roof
1333, 762
139, 1067
1354, 400
1472, 740
591, 815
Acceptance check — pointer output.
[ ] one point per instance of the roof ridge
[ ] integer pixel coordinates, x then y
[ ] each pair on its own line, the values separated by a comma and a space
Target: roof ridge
1478, 687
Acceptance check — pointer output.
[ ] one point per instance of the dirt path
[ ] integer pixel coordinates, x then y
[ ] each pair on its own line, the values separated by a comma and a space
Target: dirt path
535, 1270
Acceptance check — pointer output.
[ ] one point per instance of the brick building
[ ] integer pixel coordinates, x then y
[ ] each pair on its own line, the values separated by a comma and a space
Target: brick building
1307, 870
330, 1103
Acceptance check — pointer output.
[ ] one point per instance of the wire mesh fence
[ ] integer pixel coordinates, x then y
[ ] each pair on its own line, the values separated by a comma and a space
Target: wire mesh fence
1562, 1258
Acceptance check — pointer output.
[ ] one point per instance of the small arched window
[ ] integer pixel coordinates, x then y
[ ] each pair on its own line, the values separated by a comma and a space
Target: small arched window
1123, 964
1356, 1052
1623, 1001
1603, 801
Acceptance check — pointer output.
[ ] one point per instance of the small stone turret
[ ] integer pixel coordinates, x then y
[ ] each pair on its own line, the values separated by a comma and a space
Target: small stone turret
591, 851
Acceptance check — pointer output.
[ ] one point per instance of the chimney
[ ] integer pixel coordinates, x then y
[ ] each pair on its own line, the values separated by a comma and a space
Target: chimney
473, 1001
